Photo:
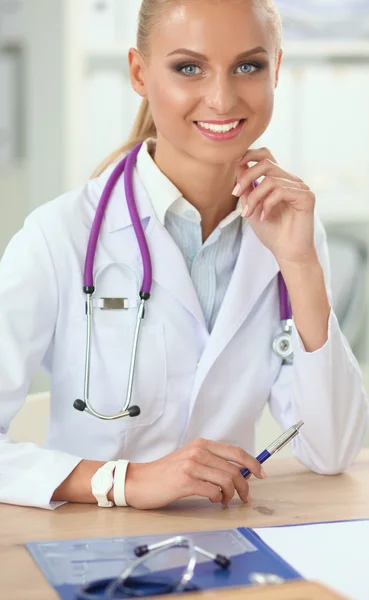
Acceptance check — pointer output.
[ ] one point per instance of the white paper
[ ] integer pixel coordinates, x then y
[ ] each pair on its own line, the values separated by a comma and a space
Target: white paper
336, 554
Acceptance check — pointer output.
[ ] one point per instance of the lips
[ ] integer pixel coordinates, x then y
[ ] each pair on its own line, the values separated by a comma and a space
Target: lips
215, 135
218, 127
219, 122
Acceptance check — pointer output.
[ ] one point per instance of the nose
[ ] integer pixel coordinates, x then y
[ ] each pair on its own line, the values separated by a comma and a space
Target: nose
221, 95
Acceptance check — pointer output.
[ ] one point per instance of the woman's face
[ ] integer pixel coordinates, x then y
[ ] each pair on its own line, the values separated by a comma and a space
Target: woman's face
212, 61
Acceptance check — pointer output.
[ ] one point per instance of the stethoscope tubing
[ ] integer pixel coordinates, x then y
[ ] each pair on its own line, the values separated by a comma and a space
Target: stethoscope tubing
126, 167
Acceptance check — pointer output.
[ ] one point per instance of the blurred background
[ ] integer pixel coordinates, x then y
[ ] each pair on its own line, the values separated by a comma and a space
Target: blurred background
66, 102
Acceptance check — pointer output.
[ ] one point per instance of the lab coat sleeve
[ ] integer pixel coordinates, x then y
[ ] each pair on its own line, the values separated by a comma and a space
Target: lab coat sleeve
324, 389
28, 309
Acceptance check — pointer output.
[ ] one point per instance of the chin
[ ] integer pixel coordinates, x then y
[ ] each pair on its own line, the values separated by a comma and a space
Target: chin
220, 153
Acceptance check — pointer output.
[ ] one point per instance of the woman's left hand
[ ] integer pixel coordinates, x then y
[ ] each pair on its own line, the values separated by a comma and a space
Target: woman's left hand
280, 209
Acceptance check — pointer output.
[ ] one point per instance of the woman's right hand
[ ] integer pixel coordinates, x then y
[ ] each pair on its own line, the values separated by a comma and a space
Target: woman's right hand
201, 468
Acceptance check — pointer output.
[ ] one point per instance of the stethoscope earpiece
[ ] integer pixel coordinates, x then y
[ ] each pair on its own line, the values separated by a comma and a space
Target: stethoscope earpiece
79, 405
134, 411
141, 550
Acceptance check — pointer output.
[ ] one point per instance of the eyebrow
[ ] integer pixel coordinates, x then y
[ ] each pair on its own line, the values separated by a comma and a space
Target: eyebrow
199, 56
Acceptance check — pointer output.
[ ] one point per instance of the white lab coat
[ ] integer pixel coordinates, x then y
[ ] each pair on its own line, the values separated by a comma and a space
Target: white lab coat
188, 383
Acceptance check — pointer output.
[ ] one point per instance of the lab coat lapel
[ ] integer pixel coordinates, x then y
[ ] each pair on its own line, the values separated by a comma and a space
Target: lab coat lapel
168, 264
255, 268
170, 270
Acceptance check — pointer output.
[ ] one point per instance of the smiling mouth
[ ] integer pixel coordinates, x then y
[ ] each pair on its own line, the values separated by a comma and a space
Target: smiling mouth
224, 127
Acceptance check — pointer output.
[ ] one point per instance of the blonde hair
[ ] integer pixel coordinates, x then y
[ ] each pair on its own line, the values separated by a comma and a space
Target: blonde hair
151, 12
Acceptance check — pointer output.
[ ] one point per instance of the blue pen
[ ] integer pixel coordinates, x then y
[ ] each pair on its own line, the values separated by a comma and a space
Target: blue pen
276, 446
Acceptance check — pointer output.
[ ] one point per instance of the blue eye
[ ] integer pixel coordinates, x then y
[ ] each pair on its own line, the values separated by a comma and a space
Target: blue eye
250, 68
187, 70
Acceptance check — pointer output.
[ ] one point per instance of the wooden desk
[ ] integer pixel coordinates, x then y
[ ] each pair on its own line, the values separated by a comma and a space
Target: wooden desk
290, 494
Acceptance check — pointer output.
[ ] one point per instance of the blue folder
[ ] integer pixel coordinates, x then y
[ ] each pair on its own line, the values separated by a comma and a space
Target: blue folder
69, 564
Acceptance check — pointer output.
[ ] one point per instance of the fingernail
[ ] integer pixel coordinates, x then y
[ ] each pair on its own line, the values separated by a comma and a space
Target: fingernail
245, 211
262, 216
248, 499
236, 190
263, 474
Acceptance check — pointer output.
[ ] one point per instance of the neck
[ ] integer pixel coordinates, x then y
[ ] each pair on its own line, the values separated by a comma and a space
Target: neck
208, 187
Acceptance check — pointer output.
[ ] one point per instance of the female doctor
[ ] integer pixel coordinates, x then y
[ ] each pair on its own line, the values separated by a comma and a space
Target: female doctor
205, 362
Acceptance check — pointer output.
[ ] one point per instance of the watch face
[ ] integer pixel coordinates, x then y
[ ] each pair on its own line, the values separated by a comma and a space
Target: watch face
103, 481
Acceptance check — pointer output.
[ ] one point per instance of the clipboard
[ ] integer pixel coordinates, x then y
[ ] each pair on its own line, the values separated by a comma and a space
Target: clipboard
69, 564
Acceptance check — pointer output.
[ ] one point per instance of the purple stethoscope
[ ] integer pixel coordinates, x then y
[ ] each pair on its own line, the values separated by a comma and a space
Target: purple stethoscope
282, 344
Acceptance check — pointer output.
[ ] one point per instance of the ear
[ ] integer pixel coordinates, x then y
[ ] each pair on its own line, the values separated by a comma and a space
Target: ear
278, 66
137, 72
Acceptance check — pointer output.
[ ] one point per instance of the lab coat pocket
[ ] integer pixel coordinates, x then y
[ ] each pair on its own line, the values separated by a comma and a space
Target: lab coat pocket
110, 366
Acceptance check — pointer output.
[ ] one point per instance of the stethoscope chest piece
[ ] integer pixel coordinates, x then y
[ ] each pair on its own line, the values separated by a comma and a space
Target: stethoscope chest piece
282, 343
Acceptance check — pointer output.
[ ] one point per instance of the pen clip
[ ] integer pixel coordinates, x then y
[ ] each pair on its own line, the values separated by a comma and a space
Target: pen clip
285, 438
286, 441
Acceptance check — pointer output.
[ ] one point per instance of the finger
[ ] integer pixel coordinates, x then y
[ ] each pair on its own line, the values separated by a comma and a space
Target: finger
263, 190
244, 200
242, 487
256, 155
257, 196
257, 211
208, 459
205, 457
217, 477
246, 192
205, 490
300, 199
231, 453
264, 168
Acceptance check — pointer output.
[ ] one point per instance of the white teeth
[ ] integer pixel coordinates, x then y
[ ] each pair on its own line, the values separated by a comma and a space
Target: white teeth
218, 128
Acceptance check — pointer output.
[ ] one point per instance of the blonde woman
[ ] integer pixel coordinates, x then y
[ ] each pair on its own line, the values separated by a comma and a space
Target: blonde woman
207, 71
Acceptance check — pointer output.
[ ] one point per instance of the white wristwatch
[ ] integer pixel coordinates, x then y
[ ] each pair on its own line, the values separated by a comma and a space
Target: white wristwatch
102, 482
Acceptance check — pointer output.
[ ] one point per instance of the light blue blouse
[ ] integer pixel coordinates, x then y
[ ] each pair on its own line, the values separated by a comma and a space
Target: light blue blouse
211, 263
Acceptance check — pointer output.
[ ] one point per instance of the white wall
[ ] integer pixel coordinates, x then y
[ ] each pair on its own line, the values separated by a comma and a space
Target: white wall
13, 202
45, 57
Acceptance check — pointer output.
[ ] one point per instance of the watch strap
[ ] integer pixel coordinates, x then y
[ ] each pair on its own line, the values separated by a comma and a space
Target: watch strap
120, 482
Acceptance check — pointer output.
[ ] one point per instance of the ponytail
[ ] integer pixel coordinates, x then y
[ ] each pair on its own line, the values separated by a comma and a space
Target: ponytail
142, 129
